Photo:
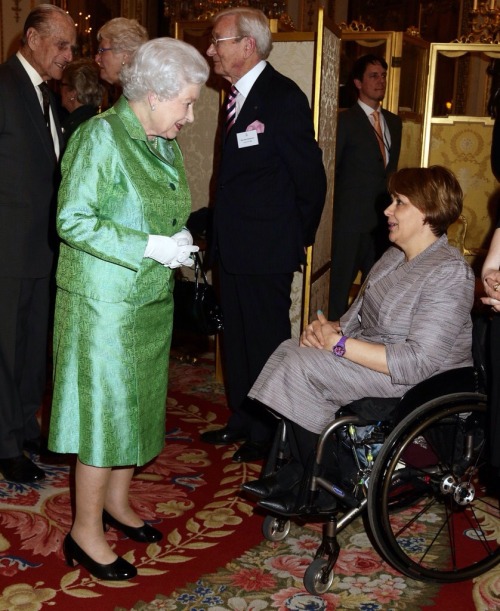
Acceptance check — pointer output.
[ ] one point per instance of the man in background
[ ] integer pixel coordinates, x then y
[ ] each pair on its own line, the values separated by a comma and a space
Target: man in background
368, 146
270, 195
30, 145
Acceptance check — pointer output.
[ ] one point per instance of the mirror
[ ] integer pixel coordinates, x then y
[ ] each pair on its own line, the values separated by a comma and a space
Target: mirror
462, 83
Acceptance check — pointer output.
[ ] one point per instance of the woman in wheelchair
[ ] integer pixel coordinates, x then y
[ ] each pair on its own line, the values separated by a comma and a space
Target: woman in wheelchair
410, 320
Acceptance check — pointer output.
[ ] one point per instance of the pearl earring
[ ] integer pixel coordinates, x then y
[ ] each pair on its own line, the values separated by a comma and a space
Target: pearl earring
153, 107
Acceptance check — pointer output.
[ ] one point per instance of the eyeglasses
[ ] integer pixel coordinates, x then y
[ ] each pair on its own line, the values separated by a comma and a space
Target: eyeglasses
101, 50
215, 41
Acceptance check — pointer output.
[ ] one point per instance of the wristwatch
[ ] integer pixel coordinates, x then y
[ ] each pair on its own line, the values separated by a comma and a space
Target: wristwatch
339, 348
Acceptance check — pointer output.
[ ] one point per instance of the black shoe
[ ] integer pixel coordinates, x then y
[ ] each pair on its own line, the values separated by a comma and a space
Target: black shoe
222, 436
250, 451
143, 534
119, 570
20, 469
288, 504
275, 483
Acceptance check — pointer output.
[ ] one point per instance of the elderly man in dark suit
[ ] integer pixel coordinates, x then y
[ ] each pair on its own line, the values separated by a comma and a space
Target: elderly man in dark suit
30, 144
368, 146
270, 195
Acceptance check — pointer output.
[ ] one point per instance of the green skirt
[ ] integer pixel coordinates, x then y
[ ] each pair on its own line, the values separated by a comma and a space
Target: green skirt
110, 379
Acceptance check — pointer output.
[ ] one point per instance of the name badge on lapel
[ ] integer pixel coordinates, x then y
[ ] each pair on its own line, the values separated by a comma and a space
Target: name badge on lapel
247, 138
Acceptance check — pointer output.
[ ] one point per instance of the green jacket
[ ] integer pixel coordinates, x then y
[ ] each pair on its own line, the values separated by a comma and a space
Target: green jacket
117, 188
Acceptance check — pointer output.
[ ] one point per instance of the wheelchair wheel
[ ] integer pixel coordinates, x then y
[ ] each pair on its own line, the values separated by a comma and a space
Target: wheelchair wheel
315, 579
275, 529
428, 508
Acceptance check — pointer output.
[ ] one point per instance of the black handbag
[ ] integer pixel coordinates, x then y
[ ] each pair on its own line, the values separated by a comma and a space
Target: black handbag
196, 308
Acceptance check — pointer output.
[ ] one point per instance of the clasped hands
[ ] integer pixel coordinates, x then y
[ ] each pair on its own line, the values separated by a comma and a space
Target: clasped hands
172, 251
491, 283
321, 333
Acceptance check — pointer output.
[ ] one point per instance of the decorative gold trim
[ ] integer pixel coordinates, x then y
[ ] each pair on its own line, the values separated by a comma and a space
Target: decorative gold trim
16, 9
355, 26
451, 49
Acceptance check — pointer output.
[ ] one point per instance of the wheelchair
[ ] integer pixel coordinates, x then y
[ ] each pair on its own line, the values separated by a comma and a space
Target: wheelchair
421, 459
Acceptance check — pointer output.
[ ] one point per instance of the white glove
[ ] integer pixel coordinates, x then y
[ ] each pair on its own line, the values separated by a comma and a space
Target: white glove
184, 241
161, 249
183, 237
166, 251
183, 257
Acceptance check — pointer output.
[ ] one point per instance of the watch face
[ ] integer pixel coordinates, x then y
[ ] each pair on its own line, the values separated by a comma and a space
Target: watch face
339, 350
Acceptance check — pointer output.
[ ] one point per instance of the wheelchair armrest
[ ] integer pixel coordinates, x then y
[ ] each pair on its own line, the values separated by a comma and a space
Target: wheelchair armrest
376, 409
463, 379
370, 409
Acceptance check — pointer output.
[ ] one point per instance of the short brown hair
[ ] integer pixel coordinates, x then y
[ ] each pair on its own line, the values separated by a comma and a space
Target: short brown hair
435, 191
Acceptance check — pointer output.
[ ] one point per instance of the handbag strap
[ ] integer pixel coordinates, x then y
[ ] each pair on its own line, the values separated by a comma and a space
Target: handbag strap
198, 269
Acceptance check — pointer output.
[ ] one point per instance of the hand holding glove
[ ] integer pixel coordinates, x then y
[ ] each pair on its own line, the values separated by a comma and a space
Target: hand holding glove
168, 252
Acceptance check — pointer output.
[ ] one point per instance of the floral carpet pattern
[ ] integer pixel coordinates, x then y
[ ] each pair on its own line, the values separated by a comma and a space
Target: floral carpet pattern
212, 537
270, 577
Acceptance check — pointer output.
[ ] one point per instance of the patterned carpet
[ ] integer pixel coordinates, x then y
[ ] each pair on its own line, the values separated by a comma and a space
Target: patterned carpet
213, 555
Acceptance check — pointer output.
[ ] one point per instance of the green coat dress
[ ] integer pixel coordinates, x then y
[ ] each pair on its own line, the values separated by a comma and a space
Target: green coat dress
114, 308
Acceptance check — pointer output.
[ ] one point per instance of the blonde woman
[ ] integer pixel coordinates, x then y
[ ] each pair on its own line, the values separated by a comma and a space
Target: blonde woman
118, 40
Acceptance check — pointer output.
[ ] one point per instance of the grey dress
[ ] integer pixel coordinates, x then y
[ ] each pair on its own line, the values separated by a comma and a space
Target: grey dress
419, 309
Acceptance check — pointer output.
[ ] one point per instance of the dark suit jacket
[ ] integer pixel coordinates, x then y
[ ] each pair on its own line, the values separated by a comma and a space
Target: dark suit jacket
269, 196
28, 177
360, 176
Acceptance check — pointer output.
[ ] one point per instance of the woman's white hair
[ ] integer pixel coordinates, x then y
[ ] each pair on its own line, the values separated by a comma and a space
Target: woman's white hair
163, 66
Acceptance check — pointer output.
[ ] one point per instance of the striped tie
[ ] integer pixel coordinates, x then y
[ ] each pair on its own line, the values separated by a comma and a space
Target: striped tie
231, 108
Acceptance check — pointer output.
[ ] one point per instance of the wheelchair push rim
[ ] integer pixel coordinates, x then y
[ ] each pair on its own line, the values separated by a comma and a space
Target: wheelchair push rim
428, 507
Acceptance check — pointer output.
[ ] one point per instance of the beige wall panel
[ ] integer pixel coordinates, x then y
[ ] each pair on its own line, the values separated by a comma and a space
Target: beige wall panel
328, 106
295, 60
464, 146
411, 144
197, 142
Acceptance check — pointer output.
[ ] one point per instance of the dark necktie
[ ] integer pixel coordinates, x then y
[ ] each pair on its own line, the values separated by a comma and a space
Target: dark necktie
231, 108
44, 88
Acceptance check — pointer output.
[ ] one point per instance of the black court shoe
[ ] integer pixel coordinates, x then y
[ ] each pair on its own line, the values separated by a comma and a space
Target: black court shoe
119, 570
143, 534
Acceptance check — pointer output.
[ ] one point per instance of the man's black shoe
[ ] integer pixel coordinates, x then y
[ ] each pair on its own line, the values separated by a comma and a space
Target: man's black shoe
222, 436
21, 470
251, 451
